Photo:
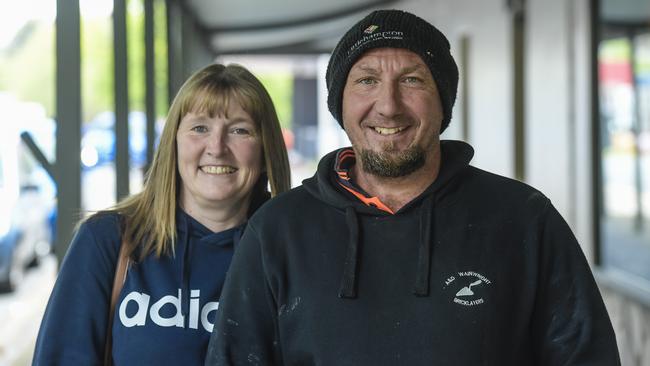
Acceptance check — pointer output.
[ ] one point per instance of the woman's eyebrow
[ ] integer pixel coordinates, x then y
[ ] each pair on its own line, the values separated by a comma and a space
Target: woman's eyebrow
195, 117
240, 120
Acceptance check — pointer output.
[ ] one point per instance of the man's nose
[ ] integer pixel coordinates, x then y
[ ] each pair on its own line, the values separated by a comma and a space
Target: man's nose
389, 102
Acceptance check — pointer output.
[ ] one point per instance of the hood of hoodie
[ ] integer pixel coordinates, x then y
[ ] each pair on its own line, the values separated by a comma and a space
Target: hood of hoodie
455, 157
190, 232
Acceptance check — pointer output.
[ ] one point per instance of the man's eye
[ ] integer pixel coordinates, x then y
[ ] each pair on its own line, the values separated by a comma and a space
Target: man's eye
412, 79
200, 129
367, 81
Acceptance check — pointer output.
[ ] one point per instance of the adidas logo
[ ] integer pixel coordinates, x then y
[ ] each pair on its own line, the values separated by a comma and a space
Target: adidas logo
142, 300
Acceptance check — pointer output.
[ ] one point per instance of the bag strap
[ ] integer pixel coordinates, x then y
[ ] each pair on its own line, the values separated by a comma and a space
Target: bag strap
123, 262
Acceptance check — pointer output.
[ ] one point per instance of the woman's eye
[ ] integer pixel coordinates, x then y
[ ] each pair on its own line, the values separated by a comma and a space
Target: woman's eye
240, 131
199, 129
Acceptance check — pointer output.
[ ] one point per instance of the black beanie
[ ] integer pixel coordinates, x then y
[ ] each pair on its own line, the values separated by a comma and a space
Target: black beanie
394, 29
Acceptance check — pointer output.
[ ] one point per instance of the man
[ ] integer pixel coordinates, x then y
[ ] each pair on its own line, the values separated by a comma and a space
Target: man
397, 252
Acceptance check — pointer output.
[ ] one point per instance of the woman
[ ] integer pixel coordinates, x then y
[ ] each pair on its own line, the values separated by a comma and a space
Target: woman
220, 148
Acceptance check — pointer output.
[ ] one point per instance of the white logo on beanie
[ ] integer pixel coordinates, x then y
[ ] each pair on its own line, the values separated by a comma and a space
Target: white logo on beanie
371, 29
375, 37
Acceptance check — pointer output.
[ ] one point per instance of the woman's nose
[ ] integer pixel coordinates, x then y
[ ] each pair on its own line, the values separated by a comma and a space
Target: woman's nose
217, 144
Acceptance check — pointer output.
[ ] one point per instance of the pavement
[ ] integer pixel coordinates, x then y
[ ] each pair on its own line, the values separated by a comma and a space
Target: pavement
21, 312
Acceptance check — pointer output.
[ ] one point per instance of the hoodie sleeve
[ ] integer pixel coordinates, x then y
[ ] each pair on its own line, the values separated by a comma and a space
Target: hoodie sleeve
570, 323
73, 329
245, 332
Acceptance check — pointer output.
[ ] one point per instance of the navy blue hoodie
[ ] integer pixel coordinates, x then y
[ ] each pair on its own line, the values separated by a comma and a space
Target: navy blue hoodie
165, 311
477, 270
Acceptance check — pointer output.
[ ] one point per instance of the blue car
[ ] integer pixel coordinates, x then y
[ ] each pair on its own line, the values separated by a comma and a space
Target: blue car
25, 237
98, 140
27, 193
25, 227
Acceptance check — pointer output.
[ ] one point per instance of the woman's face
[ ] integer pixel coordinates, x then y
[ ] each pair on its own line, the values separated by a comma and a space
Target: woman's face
219, 159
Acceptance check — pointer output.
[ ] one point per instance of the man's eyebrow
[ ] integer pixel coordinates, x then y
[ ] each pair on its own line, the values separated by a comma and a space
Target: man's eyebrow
368, 69
410, 69
371, 70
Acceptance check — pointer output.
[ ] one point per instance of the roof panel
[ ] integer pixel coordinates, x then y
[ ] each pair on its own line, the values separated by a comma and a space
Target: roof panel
226, 14
294, 26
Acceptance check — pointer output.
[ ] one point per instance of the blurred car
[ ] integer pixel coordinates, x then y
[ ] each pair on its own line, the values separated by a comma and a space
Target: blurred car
25, 236
27, 193
98, 140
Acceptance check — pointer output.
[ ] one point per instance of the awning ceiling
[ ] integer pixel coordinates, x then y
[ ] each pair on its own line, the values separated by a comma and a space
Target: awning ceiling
278, 26
634, 12
314, 26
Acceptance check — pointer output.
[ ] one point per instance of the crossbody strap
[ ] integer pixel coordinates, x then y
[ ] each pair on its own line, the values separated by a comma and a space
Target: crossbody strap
123, 262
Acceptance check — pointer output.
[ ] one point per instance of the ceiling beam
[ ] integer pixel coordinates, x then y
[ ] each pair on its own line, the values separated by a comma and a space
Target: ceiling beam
299, 22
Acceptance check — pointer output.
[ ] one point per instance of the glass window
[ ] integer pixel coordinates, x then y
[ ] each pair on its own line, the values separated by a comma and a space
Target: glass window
2, 173
624, 88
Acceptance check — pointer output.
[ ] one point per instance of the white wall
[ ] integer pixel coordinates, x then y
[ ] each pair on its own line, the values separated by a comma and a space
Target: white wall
486, 23
558, 120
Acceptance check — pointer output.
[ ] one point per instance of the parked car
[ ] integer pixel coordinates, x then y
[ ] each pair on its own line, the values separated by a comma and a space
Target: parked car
25, 236
27, 193
98, 140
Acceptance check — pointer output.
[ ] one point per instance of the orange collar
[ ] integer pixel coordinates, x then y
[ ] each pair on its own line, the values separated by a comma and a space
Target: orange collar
345, 160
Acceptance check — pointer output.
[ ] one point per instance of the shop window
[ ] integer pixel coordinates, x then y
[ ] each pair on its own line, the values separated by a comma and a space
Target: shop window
624, 89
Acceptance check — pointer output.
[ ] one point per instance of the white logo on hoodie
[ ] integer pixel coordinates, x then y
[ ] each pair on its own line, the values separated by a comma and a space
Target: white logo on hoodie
178, 320
464, 284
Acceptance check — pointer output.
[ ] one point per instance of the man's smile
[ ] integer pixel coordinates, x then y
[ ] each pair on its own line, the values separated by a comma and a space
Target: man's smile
389, 130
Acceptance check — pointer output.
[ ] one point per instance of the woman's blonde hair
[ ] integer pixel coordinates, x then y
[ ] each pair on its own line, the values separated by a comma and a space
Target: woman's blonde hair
150, 216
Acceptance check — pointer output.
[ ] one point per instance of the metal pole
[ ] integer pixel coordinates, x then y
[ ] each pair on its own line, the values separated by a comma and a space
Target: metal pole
150, 86
519, 100
68, 117
464, 81
596, 143
121, 100
174, 48
636, 131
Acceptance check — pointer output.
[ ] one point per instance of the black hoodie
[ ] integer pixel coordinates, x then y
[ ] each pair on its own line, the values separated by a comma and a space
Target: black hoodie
477, 270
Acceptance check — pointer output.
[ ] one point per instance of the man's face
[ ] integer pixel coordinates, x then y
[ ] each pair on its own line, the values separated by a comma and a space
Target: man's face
392, 112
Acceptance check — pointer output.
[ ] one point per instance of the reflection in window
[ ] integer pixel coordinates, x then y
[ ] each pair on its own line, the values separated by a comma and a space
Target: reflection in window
2, 175
624, 82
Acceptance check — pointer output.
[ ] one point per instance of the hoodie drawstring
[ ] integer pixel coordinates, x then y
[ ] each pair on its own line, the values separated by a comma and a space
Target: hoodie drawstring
348, 288
424, 249
185, 268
